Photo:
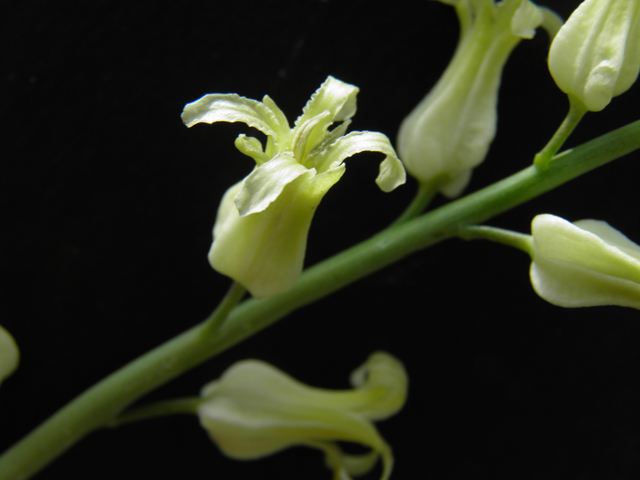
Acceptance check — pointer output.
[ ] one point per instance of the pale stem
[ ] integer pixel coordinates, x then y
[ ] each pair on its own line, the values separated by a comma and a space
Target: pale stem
577, 110
505, 237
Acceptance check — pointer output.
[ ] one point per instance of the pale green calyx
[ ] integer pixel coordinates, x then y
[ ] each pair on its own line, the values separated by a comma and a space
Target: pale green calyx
585, 263
596, 55
9, 354
451, 129
255, 410
262, 224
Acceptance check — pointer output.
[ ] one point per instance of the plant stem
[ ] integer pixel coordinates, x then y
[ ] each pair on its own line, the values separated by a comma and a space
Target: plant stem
102, 403
577, 110
424, 195
510, 238
177, 406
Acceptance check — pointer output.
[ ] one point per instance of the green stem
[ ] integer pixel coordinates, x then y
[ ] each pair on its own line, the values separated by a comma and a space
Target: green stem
230, 300
577, 110
177, 406
102, 403
424, 195
505, 237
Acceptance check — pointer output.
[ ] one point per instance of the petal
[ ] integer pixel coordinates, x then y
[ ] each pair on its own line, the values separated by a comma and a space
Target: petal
9, 354
337, 98
610, 235
587, 55
559, 240
251, 147
234, 108
526, 19
392, 173
266, 182
570, 285
301, 144
265, 251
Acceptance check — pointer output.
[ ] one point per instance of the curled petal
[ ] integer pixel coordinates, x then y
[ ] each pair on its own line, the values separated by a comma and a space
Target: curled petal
233, 108
334, 96
526, 19
392, 173
266, 182
251, 147
255, 410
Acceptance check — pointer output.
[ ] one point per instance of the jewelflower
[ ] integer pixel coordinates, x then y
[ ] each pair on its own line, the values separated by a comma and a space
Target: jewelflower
255, 410
260, 233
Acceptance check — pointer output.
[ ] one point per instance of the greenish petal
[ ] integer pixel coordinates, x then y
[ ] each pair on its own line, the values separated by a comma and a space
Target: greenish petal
585, 264
392, 173
595, 55
9, 354
337, 98
251, 147
232, 108
266, 182
526, 19
301, 144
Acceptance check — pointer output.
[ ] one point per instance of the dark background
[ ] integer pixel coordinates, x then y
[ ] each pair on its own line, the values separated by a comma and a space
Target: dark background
108, 203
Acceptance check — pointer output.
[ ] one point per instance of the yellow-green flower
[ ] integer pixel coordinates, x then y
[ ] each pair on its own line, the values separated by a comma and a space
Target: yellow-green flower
596, 55
449, 132
262, 224
255, 410
585, 263
9, 354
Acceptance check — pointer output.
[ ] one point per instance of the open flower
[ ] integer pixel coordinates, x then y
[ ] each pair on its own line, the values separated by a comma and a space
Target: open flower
585, 263
449, 132
596, 55
255, 410
262, 224
9, 354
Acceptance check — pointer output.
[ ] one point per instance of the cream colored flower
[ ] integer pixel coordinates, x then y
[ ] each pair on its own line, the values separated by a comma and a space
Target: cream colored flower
261, 229
255, 410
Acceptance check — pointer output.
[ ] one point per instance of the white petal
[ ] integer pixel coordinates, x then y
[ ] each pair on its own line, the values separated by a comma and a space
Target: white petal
526, 19
392, 173
233, 108
266, 182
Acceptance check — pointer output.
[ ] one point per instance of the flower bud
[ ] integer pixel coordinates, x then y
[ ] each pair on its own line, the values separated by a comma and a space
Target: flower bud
255, 410
596, 55
9, 354
450, 131
585, 263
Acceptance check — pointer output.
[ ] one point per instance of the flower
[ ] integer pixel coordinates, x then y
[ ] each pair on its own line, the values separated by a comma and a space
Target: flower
596, 55
451, 129
9, 354
585, 263
262, 224
255, 410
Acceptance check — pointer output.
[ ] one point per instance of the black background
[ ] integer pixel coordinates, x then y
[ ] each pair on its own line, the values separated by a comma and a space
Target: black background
108, 203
